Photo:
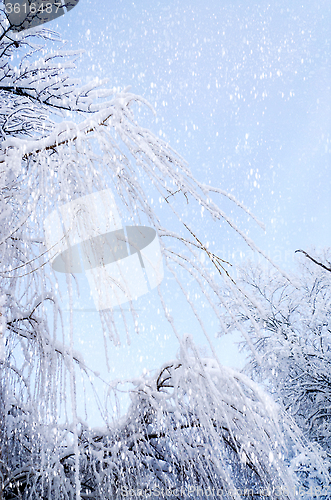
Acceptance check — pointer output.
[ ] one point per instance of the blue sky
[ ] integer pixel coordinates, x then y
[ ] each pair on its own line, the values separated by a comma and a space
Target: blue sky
242, 92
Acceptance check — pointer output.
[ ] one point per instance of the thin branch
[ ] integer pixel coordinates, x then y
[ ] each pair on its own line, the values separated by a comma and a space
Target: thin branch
315, 261
21, 92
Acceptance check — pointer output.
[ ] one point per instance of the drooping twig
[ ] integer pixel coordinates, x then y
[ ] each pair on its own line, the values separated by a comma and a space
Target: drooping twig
215, 259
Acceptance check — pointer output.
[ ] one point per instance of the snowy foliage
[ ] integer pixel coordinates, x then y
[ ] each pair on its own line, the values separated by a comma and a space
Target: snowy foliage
293, 340
193, 427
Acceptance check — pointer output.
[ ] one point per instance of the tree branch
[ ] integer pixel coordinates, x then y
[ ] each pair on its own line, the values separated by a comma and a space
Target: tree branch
22, 92
315, 261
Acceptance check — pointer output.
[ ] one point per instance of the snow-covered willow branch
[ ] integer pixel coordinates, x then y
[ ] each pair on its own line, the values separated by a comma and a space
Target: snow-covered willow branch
78, 158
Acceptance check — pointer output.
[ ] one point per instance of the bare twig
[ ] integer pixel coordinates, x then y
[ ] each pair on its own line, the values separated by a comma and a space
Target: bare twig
313, 260
217, 261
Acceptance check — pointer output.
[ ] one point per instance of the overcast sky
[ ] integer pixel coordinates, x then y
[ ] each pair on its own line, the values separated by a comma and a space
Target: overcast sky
242, 92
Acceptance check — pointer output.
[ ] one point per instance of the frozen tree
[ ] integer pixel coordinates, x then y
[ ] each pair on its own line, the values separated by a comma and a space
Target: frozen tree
194, 430
293, 340
196, 423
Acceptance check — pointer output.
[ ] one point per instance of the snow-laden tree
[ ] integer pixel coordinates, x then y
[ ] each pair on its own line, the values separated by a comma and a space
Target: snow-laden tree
61, 141
293, 339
